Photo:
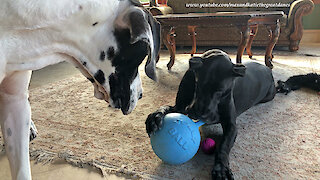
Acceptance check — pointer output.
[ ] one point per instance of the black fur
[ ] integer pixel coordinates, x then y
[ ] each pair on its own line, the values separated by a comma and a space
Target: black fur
217, 91
310, 81
91, 80
110, 53
99, 76
102, 55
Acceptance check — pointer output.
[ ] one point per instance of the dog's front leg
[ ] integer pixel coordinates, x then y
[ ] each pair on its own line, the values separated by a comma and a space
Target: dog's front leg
15, 116
227, 112
184, 98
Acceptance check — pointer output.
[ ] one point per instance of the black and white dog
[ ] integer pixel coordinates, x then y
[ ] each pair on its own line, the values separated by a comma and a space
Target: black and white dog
106, 40
217, 91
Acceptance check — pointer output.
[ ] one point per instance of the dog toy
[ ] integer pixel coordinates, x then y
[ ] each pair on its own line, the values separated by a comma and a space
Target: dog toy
208, 145
178, 140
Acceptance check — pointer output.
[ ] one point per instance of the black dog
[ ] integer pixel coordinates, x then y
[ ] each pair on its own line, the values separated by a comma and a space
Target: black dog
211, 91
311, 81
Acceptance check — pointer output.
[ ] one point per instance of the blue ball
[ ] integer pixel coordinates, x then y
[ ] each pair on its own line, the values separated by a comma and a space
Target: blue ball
178, 140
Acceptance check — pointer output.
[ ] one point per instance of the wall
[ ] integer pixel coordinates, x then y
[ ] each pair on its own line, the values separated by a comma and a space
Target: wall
312, 21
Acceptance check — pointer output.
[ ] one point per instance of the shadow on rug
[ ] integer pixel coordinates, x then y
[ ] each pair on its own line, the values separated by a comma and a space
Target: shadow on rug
276, 140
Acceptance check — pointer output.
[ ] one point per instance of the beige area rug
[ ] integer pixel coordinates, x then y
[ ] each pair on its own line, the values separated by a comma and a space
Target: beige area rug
276, 140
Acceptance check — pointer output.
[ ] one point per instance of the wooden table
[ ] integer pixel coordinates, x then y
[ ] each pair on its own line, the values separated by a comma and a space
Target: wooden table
247, 22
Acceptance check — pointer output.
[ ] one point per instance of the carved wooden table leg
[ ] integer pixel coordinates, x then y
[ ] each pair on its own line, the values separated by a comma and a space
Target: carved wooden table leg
170, 42
245, 32
296, 35
253, 32
192, 34
274, 32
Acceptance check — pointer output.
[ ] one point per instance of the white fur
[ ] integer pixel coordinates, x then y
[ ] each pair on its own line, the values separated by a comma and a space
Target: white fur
38, 33
15, 117
136, 90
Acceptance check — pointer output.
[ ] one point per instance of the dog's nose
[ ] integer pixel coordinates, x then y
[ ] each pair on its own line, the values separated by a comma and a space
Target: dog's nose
140, 96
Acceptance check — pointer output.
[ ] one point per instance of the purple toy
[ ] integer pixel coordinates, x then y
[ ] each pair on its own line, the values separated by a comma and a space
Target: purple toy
208, 145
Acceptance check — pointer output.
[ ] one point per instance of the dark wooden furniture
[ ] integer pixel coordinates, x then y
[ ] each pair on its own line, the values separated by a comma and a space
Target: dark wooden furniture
290, 24
247, 23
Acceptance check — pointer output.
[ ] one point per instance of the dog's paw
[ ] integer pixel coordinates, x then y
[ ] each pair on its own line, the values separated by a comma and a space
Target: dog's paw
220, 172
33, 131
154, 122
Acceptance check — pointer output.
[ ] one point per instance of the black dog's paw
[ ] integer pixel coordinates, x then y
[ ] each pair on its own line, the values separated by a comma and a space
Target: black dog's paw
154, 122
33, 131
283, 88
220, 172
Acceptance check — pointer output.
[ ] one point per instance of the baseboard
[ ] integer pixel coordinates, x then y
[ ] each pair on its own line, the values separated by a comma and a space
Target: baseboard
311, 36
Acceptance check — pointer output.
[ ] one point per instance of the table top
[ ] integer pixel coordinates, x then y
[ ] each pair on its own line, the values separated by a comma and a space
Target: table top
251, 14
221, 18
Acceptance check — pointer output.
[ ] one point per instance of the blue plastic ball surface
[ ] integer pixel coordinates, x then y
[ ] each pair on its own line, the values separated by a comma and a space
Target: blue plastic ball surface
178, 140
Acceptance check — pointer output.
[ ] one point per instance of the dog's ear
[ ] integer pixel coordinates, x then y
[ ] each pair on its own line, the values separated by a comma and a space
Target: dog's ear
143, 27
150, 67
195, 63
239, 70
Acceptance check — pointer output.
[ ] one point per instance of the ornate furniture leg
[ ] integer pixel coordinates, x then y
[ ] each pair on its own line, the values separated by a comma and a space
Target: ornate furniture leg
253, 32
170, 42
297, 31
274, 32
192, 34
245, 32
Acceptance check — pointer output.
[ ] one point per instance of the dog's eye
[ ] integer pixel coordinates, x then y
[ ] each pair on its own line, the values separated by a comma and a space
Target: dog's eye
316, 81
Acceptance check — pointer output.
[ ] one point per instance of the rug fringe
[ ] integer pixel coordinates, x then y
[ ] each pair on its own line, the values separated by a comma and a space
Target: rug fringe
45, 157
